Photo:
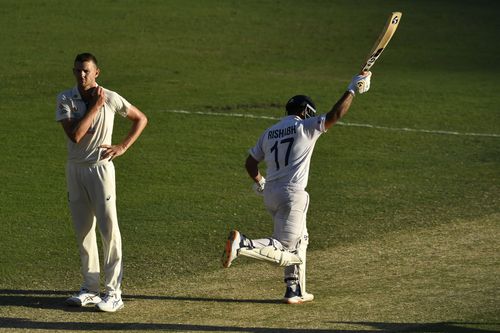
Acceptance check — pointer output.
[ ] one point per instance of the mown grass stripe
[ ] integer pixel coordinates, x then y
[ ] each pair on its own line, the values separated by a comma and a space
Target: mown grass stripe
397, 129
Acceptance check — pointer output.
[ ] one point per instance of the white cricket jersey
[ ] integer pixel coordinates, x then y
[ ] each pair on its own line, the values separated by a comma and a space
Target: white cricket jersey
70, 105
287, 148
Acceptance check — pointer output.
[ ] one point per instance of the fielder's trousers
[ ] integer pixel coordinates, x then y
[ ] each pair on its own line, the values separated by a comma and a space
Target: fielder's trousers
92, 200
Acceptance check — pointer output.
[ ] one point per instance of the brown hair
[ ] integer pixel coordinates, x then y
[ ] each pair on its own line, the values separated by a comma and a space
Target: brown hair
82, 57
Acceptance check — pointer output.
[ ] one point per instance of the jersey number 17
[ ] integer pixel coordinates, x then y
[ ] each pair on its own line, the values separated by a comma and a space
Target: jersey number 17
274, 149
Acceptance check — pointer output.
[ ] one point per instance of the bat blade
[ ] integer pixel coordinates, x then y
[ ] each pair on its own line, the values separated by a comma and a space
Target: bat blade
382, 41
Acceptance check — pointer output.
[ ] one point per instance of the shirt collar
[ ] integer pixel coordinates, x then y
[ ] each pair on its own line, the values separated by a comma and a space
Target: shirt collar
293, 116
75, 93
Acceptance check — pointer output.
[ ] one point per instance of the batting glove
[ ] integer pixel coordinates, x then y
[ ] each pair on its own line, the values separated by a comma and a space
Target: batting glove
360, 83
259, 187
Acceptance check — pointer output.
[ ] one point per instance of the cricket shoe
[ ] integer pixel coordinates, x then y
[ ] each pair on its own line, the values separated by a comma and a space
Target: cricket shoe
296, 296
233, 244
84, 297
111, 302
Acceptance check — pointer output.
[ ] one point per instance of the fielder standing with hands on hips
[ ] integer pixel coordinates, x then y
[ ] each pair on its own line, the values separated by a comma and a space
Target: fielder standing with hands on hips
286, 148
86, 113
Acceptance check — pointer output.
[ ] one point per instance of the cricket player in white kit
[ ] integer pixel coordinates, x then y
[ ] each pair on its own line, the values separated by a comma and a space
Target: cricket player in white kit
86, 113
286, 148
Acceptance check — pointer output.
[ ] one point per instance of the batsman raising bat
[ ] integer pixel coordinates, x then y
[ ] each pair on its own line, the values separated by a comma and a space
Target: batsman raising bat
286, 148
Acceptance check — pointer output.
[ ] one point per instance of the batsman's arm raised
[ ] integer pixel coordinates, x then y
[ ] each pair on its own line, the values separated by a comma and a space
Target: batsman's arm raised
360, 83
339, 109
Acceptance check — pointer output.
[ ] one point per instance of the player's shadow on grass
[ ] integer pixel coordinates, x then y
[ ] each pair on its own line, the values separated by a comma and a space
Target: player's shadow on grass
40, 299
200, 299
54, 299
18, 323
439, 327
50, 299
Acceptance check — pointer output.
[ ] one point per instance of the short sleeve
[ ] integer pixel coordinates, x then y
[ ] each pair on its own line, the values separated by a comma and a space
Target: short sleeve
119, 104
315, 125
257, 151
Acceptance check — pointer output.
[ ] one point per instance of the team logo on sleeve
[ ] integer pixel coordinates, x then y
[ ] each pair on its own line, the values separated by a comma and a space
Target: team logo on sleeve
62, 109
68, 107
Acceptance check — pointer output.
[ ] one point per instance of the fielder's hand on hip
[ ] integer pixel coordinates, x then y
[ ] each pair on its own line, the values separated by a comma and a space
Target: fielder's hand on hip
259, 187
110, 152
360, 83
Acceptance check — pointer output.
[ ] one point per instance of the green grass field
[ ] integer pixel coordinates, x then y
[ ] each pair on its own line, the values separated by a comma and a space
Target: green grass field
404, 224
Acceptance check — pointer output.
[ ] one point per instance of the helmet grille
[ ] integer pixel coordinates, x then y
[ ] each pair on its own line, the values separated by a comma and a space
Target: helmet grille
301, 103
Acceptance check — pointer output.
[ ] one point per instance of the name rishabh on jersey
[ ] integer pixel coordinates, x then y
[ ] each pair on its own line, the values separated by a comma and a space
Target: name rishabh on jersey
286, 148
281, 132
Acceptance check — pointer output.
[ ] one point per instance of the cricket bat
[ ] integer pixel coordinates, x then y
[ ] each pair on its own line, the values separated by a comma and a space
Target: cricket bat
382, 41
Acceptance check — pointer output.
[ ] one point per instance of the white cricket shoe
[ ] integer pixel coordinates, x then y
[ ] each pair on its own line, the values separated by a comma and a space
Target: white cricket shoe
84, 297
305, 297
296, 297
231, 249
111, 302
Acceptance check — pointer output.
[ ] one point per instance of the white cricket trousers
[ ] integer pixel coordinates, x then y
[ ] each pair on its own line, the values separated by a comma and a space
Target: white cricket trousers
288, 207
92, 199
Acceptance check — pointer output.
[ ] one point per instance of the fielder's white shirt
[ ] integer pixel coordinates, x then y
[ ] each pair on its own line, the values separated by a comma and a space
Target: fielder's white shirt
287, 148
70, 105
